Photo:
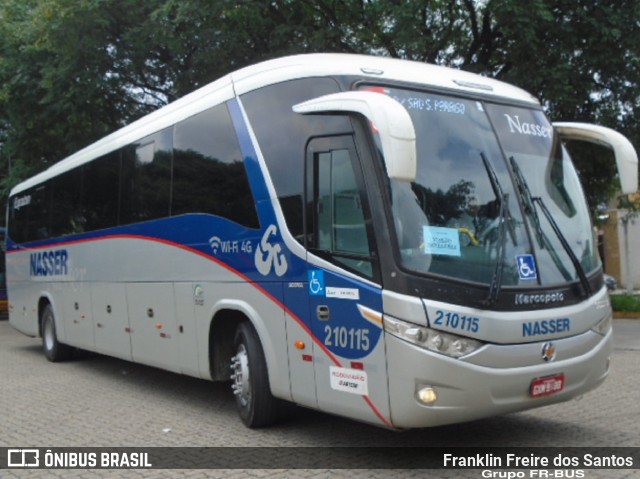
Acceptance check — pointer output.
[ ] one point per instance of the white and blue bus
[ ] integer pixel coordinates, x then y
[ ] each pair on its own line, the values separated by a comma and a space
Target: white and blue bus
3, 285
399, 243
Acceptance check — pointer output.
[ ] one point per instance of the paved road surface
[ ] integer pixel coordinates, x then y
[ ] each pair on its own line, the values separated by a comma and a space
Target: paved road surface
101, 401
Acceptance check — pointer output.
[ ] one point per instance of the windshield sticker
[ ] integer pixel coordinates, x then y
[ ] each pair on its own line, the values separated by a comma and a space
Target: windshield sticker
440, 240
434, 104
423, 102
526, 266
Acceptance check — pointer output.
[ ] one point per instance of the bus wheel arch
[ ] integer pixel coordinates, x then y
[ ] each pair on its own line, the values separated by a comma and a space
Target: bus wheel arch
53, 349
236, 353
43, 302
221, 333
249, 374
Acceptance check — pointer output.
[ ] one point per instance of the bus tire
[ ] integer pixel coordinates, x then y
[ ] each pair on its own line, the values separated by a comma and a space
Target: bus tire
250, 379
53, 349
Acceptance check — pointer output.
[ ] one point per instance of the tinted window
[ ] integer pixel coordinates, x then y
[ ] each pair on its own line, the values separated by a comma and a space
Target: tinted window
30, 214
146, 175
144, 181
18, 217
67, 216
101, 192
283, 135
209, 174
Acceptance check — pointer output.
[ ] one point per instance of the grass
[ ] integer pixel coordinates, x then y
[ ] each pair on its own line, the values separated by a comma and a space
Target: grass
625, 302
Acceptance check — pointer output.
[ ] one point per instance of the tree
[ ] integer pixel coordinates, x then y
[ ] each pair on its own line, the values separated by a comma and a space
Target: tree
59, 90
72, 71
581, 59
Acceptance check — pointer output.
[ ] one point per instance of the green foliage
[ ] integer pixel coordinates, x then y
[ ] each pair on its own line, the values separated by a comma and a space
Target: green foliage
72, 71
597, 169
15, 173
625, 302
60, 90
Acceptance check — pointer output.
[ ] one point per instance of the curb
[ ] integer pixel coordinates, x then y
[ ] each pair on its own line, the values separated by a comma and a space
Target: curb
626, 315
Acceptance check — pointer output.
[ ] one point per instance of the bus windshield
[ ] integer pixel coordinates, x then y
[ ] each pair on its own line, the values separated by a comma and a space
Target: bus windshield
466, 215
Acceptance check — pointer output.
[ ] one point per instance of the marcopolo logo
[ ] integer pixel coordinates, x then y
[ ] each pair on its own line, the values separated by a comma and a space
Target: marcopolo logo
540, 298
530, 129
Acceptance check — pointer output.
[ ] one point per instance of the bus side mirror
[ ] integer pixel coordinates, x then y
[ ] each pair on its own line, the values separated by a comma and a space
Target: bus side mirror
390, 119
623, 150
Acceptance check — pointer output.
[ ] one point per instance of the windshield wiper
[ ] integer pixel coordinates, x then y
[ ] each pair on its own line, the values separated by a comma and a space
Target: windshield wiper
504, 216
530, 202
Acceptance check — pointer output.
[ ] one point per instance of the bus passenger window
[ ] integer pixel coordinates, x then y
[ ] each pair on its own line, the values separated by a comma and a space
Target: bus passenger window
208, 172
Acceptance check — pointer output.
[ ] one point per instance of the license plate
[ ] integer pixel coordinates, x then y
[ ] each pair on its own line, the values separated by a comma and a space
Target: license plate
548, 385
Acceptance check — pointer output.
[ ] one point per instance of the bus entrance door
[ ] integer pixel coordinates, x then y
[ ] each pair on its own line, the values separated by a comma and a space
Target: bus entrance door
345, 310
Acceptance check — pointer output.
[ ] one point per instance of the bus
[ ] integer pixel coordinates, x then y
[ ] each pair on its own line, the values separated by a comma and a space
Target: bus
398, 243
3, 284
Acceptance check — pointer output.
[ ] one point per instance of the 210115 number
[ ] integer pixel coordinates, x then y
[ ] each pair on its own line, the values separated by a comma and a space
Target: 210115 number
347, 338
457, 321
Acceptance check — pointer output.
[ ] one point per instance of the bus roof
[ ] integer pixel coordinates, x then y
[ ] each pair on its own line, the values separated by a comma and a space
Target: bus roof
279, 70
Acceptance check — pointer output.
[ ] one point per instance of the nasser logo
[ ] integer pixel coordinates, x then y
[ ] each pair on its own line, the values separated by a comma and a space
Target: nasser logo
548, 352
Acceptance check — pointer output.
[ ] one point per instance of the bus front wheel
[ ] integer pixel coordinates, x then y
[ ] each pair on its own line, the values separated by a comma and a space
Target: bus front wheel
250, 380
53, 349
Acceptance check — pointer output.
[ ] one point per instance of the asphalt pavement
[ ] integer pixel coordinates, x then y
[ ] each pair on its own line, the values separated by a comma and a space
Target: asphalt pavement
626, 334
101, 401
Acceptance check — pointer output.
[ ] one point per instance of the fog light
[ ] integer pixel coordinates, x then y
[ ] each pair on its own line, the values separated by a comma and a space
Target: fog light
427, 395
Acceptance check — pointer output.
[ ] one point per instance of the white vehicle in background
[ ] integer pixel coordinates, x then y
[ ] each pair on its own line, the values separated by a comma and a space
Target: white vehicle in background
398, 243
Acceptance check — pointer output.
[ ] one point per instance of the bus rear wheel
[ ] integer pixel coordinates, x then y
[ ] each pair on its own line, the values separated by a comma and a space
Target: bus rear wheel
53, 349
250, 380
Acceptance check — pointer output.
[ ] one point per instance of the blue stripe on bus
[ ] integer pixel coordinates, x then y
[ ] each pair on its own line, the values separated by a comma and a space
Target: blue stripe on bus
256, 177
210, 235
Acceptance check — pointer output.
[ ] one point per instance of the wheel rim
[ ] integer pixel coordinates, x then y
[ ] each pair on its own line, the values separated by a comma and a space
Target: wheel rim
49, 335
240, 376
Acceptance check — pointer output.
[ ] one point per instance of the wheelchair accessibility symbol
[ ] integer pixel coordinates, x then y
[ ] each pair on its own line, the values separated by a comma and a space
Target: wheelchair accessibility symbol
316, 282
526, 266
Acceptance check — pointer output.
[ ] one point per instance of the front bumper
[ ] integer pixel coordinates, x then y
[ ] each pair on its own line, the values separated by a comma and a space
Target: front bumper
468, 391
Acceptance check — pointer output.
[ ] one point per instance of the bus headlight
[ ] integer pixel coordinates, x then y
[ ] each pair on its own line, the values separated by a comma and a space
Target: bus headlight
604, 325
444, 343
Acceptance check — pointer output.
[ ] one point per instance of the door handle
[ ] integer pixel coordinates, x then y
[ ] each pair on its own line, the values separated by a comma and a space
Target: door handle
323, 313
